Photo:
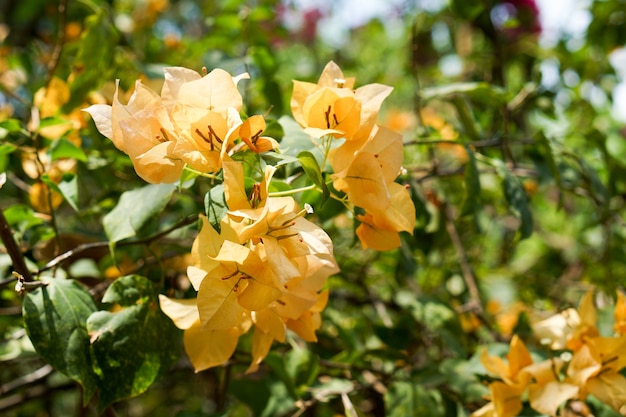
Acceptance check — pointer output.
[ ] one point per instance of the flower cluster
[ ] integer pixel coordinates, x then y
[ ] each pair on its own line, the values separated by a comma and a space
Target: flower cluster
583, 363
261, 265
266, 267
369, 160
195, 122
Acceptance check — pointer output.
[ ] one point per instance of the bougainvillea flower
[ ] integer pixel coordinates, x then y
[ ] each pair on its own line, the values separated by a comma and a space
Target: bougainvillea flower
250, 133
266, 267
595, 369
189, 123
570, 328
203, 355
205, 136
619, 314
520, 375
332, 107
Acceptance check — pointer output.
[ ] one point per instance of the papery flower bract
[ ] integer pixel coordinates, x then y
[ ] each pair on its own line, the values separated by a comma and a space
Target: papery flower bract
189, 123
545, 392
266, 267
619, 314
250, 133
203, 355
331, 107
570, 328
595, 369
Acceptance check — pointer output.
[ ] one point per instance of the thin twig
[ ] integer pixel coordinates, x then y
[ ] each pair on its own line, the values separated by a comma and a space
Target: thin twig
468, 274
85, 246
28, 379
58, 47
37, 391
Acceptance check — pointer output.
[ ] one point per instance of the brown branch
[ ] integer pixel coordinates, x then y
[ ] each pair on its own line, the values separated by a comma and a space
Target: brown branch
85, 246
13, 250
28, 379
58, 47
35, 392
468, 274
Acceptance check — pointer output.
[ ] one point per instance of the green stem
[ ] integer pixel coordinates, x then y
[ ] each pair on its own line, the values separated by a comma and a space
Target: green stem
203, 174
291, 192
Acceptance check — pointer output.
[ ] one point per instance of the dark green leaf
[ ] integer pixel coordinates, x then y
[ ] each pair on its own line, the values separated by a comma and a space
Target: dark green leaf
55, 318
404, 398
134, 210
517, 200
302, 366
472, 185
545, 146
133, 347
313, 171
215, 206
129, 291
277, 364
466, 117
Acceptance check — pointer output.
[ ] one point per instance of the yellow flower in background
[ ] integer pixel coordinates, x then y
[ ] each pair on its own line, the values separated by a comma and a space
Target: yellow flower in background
570, 328
520, 376
332, 107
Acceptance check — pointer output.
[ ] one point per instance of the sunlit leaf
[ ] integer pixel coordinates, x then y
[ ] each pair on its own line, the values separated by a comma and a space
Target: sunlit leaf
312, 170
67, 187
134, 210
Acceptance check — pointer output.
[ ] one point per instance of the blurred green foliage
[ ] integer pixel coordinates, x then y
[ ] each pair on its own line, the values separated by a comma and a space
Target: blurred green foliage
513, 155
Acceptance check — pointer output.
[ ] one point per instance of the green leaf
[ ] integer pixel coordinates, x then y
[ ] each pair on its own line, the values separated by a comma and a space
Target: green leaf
63, 148
133, 347
313, 171
94, 57
297, 140
67, 187
405, 398
277, 364
21, 217
215, 206
129, 291
466, 117
302, 366
545, 146
517, 200
6, 148
11, 125
55, 319
134, 210
472, 185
